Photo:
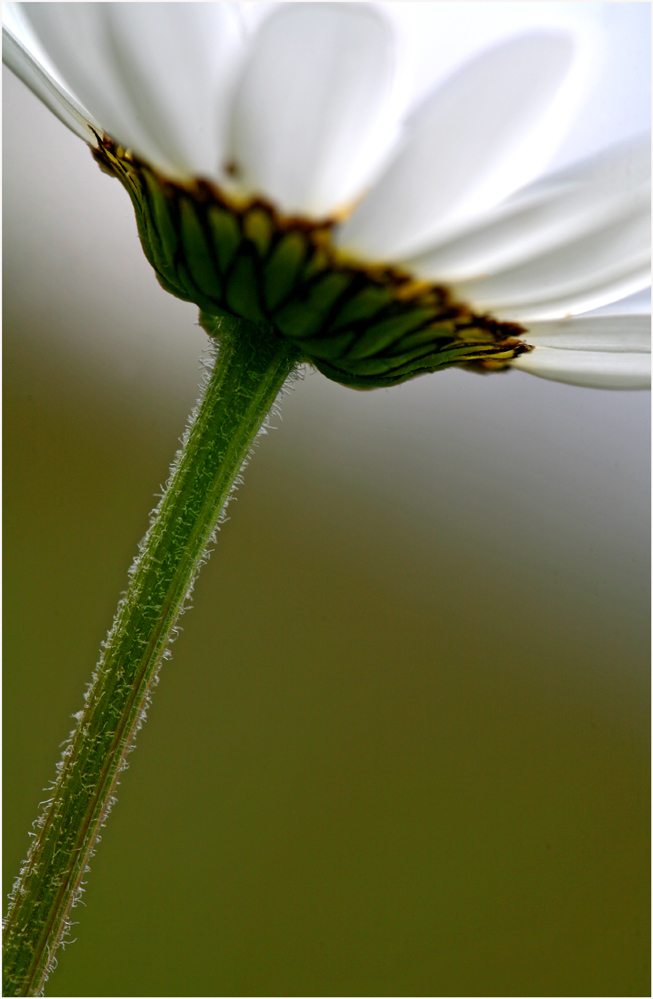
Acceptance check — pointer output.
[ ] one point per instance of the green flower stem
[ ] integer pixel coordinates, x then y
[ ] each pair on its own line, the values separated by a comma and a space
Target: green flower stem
250, 370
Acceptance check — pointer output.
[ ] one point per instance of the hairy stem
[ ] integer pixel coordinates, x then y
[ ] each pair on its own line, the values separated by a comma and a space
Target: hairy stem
250, 370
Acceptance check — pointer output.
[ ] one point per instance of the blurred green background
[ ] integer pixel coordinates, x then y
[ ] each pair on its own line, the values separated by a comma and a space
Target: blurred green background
402, 744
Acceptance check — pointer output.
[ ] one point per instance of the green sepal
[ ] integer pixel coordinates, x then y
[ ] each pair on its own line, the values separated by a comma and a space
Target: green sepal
243, 293
387, 333
198, 254
364, 307
306, 315
258, 227
226, 235
283, 267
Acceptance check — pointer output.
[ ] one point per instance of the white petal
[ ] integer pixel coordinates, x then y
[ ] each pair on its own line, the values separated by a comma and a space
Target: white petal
595, 369
478, 137
20, 61
75, 35
589, 298
175, 61
639, 303
546, 215
606, 351
13, 18
592, 268
630, 333
116, 56
308, 102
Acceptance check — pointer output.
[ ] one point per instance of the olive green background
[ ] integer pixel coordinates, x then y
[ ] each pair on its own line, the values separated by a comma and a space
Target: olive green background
402, 744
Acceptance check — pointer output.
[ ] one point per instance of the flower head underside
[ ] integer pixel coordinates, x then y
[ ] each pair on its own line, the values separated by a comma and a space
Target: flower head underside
270, 182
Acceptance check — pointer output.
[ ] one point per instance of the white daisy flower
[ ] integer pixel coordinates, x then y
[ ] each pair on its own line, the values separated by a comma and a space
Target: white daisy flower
272, 180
